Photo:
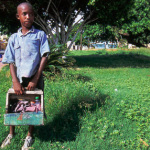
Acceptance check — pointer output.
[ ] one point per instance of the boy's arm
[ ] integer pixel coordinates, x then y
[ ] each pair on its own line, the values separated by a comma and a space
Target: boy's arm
33, 83
16, 84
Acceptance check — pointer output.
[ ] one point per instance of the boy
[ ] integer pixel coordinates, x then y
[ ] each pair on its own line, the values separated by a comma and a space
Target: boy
26, 54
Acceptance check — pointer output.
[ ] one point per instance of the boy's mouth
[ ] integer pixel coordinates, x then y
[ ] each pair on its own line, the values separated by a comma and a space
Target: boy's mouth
27, 21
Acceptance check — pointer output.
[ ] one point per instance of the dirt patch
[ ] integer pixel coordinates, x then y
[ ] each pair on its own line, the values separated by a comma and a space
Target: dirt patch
1, 65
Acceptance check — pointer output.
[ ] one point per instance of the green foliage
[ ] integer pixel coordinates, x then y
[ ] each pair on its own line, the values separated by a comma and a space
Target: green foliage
101, 105
139, 17
91, 2
57, 60
113, 12
138, 24
8, 9
93, 32
60, 15
113, 33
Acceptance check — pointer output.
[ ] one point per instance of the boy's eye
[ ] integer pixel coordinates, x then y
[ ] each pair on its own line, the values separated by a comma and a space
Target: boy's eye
30, 14
24, 13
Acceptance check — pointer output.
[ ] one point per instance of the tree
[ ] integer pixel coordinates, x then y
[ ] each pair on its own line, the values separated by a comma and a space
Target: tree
8, 22
137, 29
133, 25
57, 18
90, 33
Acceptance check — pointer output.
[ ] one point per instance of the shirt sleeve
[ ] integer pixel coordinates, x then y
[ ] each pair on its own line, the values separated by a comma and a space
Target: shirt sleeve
9, 55
44, 46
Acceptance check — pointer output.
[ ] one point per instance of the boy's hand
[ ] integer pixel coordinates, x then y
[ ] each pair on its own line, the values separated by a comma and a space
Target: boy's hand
32, 84
18, 88
16, 84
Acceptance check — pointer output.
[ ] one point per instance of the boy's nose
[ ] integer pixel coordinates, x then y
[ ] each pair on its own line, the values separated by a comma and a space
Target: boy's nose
27, 16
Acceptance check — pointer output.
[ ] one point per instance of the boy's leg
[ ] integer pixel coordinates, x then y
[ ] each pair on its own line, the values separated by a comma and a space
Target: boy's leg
12, 130
7, 141
29, 140
40, 85
30, 131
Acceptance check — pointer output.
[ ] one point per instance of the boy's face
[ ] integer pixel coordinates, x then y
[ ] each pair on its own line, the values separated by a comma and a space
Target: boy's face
25, 15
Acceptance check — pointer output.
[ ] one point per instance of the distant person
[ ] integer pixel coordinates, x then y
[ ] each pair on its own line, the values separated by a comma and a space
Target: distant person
26, 54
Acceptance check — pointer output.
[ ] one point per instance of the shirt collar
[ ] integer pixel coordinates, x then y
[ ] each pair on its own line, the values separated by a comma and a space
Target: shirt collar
20, 33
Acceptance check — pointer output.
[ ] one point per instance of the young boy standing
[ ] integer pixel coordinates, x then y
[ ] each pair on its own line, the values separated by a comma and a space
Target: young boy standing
26, 54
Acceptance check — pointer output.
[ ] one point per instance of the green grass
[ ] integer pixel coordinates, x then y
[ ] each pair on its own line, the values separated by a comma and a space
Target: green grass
101, 104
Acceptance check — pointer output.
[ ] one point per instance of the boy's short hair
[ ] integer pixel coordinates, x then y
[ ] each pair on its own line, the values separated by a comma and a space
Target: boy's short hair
24, 3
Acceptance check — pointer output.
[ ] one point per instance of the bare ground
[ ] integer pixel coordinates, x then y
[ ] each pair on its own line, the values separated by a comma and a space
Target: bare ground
1, 65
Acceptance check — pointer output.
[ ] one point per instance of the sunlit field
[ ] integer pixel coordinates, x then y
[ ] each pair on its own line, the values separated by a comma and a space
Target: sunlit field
102, 103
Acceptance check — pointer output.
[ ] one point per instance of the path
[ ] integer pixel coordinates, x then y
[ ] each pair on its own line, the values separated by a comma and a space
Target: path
1, 65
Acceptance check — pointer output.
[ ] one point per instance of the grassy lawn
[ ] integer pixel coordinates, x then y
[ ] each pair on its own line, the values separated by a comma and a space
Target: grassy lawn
101, 104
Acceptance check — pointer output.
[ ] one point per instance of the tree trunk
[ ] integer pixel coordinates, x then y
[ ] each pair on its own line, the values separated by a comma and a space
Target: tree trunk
57, 20
81, 40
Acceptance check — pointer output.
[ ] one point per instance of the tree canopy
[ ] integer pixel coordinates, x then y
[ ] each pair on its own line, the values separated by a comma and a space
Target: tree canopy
59, 18
133, 25
138, 25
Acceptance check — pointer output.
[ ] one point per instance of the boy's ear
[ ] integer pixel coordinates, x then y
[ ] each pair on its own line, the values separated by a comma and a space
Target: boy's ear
17, 16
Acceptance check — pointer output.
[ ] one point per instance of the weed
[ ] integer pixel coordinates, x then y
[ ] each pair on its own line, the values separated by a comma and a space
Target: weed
104, 104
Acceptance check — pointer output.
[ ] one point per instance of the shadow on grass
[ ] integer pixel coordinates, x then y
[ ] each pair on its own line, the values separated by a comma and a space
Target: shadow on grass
78, 77
66, 125
116, 60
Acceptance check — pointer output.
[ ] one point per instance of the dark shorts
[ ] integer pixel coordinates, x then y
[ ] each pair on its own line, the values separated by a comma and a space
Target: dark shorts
40, 84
